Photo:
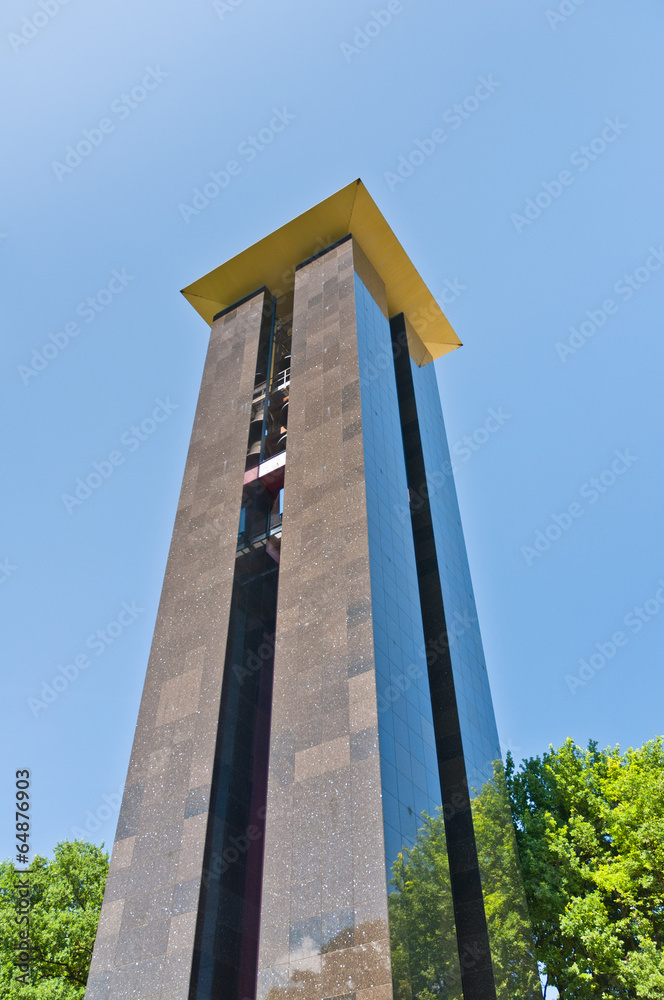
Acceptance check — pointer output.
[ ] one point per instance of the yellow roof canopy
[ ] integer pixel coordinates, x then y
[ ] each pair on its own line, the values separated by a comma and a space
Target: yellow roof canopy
272, 262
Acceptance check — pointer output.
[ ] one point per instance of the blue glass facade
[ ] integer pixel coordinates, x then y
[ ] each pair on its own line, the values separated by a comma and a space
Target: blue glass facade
454, 879
493, 926
408, 759
407, 744
478, 727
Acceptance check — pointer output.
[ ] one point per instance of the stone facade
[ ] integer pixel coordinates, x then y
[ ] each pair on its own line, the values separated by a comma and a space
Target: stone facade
324, 929
377, 694
145, 943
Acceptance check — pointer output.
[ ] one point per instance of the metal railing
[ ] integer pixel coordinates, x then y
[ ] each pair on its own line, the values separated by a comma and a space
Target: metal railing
281, 380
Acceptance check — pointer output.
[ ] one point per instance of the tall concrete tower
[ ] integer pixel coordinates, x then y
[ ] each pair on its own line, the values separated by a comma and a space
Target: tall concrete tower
315, 806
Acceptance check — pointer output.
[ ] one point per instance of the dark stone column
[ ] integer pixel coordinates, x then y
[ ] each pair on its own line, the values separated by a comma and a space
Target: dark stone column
145, 942
324, 913
472, 933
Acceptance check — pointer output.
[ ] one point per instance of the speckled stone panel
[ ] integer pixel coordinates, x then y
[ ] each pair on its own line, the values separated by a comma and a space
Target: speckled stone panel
145, 941
324, 927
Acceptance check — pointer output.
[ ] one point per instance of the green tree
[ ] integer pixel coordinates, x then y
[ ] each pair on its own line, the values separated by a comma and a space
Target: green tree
590, 830
507, 917
65, 902
425, 959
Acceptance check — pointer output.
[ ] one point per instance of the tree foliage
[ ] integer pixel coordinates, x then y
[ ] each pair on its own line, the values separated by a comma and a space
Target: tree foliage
65, 902
508, 920
425, 957
590, 830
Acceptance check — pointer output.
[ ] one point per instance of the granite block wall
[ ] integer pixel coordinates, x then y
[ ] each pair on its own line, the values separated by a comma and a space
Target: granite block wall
145, 942
324, 931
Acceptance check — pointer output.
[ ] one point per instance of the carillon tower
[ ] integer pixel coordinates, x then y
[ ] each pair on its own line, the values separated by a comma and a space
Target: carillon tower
315, 807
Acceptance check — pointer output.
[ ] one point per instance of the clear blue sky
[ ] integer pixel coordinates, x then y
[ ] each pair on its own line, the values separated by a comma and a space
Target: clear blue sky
534, 90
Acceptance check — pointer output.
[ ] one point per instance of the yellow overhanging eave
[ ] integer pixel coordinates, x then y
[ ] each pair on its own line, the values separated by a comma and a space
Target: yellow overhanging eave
272, 262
